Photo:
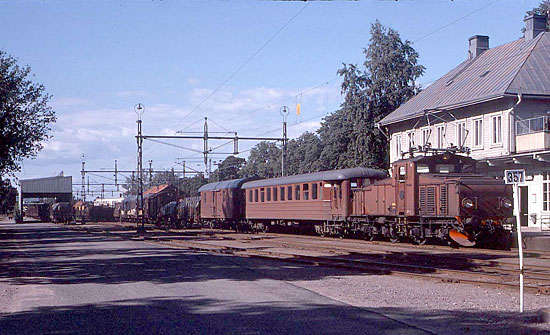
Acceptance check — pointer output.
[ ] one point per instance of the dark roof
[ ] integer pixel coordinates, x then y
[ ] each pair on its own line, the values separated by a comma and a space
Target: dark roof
319, 176
521, 66
219, 185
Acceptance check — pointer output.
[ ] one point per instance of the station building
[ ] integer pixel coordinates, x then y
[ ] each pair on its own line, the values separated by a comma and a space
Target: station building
496, 105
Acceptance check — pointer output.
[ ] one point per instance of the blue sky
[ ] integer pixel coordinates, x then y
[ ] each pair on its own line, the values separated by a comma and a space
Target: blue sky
99, 58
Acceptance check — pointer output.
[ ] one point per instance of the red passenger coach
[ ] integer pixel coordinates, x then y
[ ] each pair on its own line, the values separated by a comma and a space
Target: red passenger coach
222, 203
308, 199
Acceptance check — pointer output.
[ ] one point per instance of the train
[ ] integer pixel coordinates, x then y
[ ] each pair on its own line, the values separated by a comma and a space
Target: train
437, 197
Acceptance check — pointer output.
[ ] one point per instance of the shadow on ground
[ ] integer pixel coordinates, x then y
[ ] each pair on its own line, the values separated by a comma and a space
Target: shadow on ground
205, 316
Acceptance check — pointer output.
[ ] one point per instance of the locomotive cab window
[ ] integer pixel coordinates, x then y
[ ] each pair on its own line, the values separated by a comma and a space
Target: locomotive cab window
402, 173
422, 168
444, 168
305, 188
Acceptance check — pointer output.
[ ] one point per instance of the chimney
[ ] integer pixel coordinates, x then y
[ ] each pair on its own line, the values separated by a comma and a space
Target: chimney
478, 44
534, 25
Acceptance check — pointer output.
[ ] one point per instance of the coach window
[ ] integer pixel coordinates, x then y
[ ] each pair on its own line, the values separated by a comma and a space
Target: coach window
275, 194
256, 195
305, 189
289, 193
282, 193
250, 196
268, 190
297, 192
313, 191
262, 194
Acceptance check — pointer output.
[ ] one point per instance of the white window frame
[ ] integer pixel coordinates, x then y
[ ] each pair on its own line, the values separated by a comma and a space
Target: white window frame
425, 136
461, 133
410, 139
545, 192
496, 137
476, 135
398, 146
440, 137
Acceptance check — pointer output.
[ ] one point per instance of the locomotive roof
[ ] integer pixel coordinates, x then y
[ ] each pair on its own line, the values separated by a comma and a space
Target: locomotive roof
342, 174
221, 185
443, 156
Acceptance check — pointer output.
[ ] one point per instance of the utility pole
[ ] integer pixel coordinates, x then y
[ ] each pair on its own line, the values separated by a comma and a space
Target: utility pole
139, 109
284, 113
206, 144
83, 178
116, 175
151, 172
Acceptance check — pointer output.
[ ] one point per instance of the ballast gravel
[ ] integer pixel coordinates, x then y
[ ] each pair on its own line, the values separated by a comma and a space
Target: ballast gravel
441, 308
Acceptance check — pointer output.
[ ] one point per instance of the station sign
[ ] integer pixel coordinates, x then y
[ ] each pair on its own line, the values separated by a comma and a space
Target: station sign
514, 176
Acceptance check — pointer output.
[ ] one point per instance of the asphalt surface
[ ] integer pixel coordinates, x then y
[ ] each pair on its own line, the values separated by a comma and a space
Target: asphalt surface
61, 281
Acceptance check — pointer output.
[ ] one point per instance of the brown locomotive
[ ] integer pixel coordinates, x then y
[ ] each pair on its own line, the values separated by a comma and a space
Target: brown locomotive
436, 196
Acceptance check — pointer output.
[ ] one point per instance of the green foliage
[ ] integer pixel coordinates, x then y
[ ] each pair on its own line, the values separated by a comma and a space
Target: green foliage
542, 9
264, 161
24, 115
228, 169
387, 79
303, 154
189, 187
7, 196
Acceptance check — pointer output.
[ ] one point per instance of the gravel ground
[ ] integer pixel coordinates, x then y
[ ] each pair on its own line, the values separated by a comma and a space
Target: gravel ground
438, 307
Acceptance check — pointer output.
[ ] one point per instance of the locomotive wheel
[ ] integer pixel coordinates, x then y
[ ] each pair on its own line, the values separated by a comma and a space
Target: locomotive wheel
419, 240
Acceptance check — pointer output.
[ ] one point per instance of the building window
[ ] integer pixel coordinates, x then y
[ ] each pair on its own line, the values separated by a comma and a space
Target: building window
282, 193
297, 192
305, 188
289, 193
497, 129
314, 191
398, 149
478, 133
275, 194
441, 137
410, 138
426, 136
461, 134
546, 191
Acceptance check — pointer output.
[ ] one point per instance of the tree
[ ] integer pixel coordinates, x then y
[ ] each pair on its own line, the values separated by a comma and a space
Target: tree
24, 115
228, 169
264, 161
190, 186
303, 154
386, 81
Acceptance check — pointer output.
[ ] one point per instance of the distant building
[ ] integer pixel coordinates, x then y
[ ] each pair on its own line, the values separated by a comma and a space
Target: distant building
497, 104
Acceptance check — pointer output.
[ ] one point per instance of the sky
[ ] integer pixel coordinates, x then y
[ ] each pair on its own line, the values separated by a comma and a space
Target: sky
235, 62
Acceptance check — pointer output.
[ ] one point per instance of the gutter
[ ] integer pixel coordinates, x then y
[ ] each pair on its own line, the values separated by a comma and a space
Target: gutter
511, 126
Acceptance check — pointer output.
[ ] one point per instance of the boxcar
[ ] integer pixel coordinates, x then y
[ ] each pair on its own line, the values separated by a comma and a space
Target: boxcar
222, 203
306, 199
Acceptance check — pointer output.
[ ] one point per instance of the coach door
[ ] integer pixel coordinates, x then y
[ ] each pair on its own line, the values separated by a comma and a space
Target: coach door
215, 195
336, 200
405, 175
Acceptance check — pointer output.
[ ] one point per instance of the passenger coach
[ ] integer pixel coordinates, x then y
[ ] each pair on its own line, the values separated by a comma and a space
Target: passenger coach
305, 199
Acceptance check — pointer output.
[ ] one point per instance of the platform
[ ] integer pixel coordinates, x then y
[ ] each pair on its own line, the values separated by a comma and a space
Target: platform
534, 239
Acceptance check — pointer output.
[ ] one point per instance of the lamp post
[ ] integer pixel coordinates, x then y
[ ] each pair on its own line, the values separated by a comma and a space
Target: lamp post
140, 109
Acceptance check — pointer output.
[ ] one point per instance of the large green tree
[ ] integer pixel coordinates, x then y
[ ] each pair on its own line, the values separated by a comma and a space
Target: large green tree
228, 169
264, 161
385, 81
303, 154
24, 115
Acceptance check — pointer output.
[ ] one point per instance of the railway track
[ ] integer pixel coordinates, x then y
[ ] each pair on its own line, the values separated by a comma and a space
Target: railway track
439, 263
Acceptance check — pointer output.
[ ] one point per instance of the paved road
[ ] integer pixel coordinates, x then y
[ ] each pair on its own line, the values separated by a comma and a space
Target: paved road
72, 282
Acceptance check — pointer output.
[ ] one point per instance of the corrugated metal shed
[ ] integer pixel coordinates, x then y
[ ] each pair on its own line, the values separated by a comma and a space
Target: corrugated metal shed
342, 174
233, 183
521, 66
47, 185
